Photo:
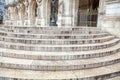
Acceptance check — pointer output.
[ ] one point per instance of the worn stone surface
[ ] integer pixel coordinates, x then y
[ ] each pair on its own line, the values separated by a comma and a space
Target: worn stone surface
52, 57
30, 49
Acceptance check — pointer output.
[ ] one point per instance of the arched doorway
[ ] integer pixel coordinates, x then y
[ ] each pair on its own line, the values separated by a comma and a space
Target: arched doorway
88, 13
33, 11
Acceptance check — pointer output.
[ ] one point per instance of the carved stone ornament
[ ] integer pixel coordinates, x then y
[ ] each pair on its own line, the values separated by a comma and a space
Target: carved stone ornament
39, 2
26, 3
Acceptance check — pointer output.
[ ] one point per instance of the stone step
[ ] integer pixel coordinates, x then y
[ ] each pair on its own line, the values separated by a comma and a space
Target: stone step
54, 36
52, 48
65, 65
115, 78
56, 41
70, 55
87, 74
59, 55
52, 30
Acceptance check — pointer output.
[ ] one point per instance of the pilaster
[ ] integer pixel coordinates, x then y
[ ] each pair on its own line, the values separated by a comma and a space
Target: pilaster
67, 12
40, 21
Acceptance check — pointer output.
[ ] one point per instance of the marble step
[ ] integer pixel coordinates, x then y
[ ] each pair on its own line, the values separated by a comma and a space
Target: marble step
54, 36
87, 74
65, 65
52, 30
77, 33
70, 55
52, 48
115, 78
56, 41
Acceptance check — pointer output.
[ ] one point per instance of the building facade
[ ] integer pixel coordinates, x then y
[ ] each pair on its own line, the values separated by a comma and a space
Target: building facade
100, 13
79, 47
38, 12
2, 3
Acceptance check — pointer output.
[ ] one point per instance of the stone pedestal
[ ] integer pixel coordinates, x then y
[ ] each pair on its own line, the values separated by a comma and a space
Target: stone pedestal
40, 22
26, 22
20, 23
64, 21
29, 23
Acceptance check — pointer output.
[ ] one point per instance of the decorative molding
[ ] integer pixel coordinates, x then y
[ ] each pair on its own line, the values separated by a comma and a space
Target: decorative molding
112, 1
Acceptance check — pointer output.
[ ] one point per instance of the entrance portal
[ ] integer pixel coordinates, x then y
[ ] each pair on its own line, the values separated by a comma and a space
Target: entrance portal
54, 12
88, 13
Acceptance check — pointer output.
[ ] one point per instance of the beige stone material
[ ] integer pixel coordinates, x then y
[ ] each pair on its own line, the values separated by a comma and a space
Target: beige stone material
30, 49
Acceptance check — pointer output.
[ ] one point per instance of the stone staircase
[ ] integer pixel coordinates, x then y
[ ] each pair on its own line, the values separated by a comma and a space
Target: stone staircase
52, 53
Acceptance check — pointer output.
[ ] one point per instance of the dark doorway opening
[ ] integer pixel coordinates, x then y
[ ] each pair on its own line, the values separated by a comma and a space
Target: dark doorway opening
88, 13
54, 12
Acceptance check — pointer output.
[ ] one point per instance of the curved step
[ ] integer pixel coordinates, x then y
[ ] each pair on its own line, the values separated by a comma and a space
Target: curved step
54, 36
66, 65
56, 41
51, 31
94, 74
52, 48
115, 78
50, 28
34, 55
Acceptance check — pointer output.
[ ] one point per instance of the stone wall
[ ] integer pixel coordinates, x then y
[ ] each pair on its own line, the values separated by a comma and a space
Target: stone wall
38, 12
109, 16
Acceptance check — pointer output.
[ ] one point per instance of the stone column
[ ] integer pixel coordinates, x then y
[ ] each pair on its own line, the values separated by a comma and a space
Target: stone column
47, 11
19, 21
101, 12
28, 21
109, 16
8, 16
15, 18
18, 6
40, 20
11, 18
26, 3
66, 16
75, 8
5, 17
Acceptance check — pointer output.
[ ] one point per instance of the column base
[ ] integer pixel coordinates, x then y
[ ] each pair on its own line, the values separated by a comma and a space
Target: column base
26, 23
20, 23
53, 24
64, 21
40, 22
10, 23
